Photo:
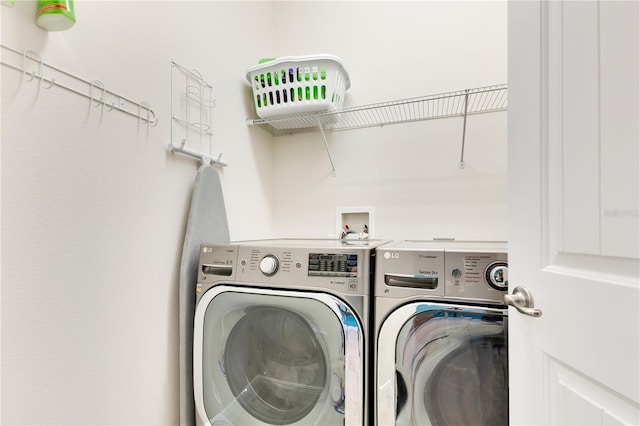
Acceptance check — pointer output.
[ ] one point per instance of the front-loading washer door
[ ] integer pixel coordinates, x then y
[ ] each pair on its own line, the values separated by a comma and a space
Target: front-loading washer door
449, 366
275, 357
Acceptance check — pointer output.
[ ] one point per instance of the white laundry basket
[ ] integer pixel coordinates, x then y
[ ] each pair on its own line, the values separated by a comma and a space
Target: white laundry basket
298, 84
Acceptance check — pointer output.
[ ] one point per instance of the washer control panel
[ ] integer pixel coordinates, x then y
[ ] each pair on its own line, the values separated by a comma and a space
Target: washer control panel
333, 264
322, 264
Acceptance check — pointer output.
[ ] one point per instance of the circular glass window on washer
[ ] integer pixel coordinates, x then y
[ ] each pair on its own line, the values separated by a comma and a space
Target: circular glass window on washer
275, 365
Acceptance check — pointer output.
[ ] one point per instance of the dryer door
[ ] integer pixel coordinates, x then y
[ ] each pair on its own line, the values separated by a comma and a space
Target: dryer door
277, 358
449, 368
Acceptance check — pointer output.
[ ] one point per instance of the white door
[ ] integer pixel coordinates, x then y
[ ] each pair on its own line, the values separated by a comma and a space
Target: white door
573, 201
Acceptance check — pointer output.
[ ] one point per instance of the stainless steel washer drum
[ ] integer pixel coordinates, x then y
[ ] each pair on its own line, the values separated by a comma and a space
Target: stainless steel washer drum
275, 365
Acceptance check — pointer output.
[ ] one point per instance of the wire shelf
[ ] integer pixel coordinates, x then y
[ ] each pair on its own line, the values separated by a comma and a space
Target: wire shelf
444, 105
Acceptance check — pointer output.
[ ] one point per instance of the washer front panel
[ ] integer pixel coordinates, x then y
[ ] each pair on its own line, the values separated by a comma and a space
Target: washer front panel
277, 357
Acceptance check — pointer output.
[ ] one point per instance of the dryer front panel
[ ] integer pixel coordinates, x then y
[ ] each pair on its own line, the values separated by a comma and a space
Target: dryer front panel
449, 366
276, 357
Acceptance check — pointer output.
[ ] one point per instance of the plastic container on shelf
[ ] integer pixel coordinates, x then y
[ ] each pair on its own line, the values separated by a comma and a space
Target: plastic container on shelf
298, 84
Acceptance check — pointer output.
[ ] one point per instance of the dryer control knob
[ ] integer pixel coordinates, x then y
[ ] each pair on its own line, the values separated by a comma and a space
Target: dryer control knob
456, 273
497, 275
269, 265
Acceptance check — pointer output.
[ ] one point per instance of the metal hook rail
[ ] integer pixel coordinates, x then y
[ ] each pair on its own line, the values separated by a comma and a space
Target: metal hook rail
195, 104
94, 90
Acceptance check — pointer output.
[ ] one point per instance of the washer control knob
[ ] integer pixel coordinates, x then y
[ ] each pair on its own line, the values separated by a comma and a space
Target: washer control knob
456, 273
497, 275
269, 265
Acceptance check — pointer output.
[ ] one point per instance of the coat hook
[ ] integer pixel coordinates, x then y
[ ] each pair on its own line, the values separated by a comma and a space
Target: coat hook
49, 84
28, 76
93, 101
154, 119
151, 119
35, 57
151, 115
146, 106
205, 160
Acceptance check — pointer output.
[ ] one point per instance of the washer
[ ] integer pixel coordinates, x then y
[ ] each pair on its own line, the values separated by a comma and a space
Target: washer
441, 333
280, 332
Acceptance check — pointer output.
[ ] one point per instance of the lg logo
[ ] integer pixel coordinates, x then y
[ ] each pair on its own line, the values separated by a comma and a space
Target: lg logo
388, 255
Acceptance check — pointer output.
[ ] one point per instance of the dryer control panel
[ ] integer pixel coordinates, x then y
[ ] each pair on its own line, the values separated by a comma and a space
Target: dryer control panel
443, 269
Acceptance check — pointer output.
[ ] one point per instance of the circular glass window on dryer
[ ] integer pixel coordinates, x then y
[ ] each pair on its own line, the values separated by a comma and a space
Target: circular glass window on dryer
470, 385
275, 365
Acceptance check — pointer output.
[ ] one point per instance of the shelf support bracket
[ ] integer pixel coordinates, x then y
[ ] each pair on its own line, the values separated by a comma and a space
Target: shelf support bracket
326, 145
464, 126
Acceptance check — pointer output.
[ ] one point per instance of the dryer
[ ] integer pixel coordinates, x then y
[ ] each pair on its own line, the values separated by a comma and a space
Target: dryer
281, 332
441, 333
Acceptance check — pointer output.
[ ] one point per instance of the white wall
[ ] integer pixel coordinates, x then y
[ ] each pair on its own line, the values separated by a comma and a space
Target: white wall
409, 173
93, 208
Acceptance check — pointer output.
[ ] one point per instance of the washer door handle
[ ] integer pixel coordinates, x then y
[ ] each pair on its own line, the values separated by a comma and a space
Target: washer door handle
522, 300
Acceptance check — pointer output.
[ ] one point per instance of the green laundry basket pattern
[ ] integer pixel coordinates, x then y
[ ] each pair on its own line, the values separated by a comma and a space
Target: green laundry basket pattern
297, 85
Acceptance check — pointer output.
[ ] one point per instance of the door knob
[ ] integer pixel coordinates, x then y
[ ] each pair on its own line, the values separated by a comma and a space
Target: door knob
522, 300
